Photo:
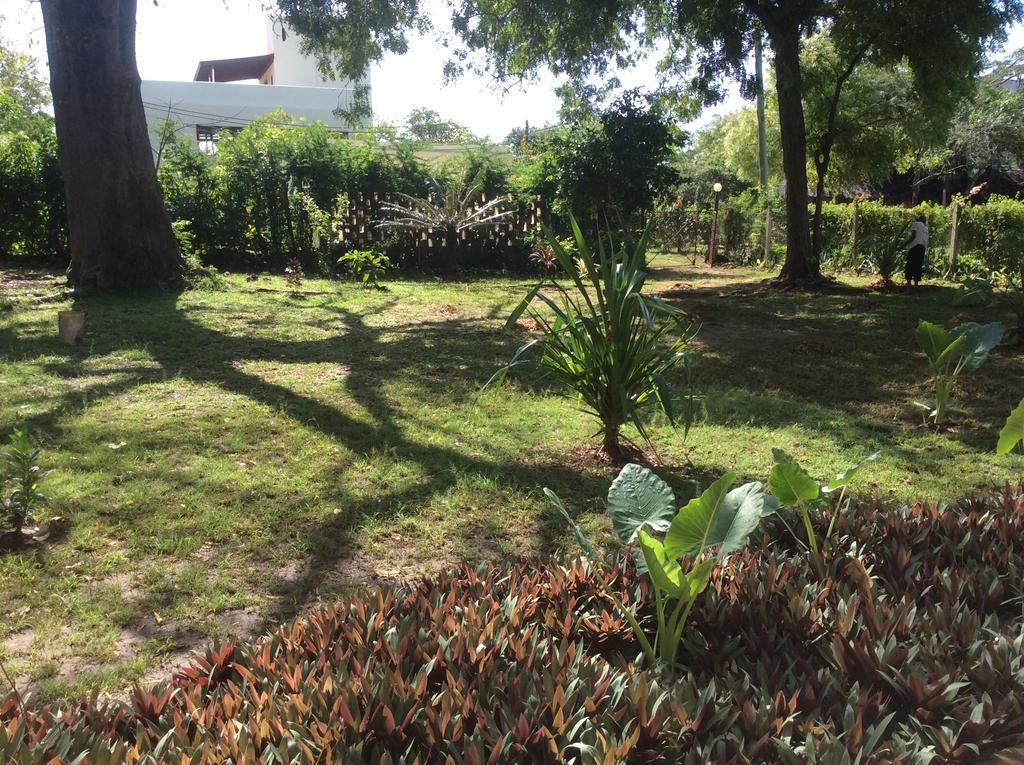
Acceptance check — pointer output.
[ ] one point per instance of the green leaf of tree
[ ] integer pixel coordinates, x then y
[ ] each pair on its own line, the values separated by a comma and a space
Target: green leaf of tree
1013, 431
638, 497
693, 523
791, 484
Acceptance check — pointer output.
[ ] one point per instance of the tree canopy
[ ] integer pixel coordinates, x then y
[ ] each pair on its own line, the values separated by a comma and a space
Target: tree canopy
424, 124
616, 162
941, 47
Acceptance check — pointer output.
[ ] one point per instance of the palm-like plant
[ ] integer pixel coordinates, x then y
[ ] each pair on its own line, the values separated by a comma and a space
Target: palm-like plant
605, 340
445, 213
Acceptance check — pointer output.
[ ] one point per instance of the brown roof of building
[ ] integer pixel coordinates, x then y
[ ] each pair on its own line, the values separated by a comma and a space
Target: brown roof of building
233, 69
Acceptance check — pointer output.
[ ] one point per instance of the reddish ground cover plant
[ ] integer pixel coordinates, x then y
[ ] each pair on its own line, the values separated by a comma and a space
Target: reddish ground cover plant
904, 647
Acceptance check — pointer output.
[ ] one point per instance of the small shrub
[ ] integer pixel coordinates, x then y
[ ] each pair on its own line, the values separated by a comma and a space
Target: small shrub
293, 273
603, 342
449, 213
950, 353
718, 520
20, 481
792, 486
367, 266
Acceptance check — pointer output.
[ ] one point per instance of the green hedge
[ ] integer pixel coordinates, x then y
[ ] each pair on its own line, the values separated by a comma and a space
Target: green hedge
993, 234
32, 216
990, 235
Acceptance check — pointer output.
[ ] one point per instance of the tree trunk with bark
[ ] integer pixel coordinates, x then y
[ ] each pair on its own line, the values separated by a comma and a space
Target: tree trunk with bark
119, 230
799, 265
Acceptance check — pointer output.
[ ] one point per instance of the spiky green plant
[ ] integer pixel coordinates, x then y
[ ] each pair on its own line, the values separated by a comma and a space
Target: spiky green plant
445, 213
603, 339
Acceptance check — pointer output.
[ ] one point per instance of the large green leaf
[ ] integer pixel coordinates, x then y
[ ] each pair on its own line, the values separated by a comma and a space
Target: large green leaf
791, 484
664, 571
981, 339
844, 478
1013, 431
693, 523
638, 498
741, 511
933, 339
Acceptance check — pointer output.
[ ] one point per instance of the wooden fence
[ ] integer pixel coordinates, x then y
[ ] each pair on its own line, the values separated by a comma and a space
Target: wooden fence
498, 244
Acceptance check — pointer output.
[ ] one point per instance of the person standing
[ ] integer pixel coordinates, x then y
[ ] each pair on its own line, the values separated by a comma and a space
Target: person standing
916, 245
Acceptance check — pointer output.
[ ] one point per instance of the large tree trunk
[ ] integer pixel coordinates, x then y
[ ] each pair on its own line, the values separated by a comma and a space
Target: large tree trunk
799, 265
118, 228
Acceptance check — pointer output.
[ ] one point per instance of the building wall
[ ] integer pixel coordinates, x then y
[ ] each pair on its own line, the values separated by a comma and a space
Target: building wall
233, 105
291, 66
294, 85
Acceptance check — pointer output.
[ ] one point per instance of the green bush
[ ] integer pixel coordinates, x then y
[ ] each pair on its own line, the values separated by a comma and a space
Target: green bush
902, 645
836, 233
32, 215
994, 233
273, 192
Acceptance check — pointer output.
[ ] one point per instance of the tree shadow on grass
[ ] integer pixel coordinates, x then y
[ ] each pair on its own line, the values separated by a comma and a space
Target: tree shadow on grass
441, 359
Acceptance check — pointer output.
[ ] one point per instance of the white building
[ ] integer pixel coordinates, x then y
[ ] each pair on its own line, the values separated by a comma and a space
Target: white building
227, 94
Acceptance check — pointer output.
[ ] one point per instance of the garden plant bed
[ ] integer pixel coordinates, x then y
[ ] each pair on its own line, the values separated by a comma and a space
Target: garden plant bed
226, 452
903, 648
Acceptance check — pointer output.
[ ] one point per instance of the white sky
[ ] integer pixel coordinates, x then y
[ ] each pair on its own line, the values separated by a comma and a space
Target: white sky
174, 35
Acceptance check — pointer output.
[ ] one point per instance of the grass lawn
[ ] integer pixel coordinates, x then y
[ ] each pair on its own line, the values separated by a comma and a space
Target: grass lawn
228, 458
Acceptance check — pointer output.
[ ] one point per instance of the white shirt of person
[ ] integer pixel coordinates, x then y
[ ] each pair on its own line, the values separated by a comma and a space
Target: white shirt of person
918, 235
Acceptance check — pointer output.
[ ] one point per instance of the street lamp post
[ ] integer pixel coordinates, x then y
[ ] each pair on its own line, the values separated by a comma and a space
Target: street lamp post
713, 245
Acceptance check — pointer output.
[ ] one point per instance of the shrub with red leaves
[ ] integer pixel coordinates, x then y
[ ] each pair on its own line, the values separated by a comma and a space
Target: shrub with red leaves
905, 647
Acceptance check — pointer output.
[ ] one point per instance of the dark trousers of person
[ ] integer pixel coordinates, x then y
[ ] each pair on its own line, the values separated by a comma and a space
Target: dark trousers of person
915, 264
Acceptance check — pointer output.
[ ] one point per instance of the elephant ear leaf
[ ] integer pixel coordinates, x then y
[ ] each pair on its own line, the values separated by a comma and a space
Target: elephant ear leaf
692, 526
791, 484
741, 512
980, 340
696, 580
933, 339
1013, 431
664, 571
844, 478
638, 498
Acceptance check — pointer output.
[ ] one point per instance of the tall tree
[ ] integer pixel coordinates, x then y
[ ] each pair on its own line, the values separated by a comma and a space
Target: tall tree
120, 234
424, 124
985, 134
942, 44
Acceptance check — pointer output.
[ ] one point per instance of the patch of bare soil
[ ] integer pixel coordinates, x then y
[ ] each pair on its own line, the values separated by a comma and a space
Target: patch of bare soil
182, 643
20, 641
591, 457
